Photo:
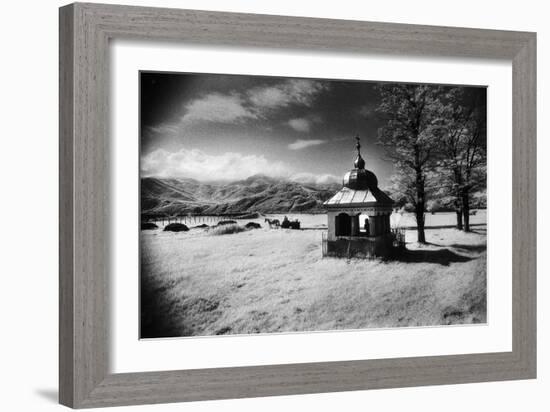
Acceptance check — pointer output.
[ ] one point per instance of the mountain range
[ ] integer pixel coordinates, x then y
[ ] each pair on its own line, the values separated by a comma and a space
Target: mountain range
258, 193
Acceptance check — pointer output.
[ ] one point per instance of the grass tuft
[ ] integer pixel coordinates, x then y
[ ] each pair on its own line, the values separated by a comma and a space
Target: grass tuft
226, 230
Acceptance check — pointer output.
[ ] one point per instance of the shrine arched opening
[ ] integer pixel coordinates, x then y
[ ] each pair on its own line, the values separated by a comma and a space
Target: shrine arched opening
343, 225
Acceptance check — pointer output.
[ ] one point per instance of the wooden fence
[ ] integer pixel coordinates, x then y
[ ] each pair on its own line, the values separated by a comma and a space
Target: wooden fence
185, 219
399, 233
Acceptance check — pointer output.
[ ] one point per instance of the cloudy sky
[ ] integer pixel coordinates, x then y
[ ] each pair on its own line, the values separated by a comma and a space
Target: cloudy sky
228, 127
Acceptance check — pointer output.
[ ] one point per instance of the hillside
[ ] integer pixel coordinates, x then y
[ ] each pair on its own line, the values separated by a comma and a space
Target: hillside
257, 193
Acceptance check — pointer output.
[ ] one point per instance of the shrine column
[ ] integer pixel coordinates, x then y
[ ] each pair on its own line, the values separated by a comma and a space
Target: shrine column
355, 225
372, 225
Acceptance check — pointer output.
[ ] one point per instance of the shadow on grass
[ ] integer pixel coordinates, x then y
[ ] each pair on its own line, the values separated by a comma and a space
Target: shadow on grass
442, 256
470, 248
155, 316
163, 316
443, 226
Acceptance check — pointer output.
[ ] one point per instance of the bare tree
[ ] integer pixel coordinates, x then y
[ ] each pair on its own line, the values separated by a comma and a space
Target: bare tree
453, 124
462, 150
475, 153
410, 113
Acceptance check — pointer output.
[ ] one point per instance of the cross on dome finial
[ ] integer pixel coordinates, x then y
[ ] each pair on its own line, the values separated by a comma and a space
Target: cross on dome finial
359, 162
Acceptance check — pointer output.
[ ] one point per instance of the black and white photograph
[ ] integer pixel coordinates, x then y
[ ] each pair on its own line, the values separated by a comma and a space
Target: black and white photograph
281, 205
248, 206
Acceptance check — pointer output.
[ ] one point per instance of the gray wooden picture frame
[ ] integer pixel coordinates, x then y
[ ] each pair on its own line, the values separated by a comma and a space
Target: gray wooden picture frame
85, 31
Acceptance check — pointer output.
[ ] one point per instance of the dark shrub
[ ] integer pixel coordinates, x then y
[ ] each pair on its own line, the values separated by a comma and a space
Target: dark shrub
148, 226
176, 227
253, 225
203, 226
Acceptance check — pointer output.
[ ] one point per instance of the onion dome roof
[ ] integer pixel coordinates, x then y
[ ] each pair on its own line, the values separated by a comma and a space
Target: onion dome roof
360, 179
360, 187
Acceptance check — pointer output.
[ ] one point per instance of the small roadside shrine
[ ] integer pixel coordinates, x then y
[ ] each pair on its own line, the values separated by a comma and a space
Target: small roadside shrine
359, 216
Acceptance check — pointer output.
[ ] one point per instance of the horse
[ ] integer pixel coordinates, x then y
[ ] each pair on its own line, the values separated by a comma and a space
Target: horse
272, 222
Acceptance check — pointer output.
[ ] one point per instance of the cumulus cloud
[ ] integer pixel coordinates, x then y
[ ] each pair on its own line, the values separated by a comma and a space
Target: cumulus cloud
303, 143
313, 178
254, 103
300, 125
217, 107
229, 166
164, 129
268, 97
295, 91
196, 164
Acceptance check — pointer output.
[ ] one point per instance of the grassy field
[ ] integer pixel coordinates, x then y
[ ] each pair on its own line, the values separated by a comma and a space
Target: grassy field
262, 281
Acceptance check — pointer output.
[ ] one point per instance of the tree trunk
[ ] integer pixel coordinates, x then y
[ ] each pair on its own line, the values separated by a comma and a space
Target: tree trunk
420, 226
459, 210
458, 197
466, 209
459, 219
420, 204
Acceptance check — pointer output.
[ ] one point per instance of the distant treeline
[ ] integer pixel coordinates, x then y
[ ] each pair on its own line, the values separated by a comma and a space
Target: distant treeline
159, 216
